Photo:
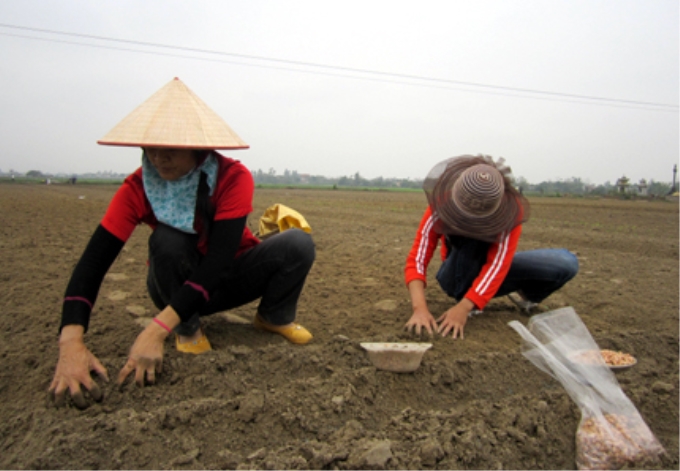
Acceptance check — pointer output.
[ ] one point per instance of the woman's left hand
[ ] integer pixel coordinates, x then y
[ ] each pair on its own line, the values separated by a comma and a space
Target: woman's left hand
146, 356
454, 319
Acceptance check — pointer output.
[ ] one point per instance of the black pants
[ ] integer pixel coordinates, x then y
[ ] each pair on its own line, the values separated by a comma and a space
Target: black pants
274, 270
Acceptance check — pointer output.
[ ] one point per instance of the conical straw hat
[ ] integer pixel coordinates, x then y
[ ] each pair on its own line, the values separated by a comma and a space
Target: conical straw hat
174, 117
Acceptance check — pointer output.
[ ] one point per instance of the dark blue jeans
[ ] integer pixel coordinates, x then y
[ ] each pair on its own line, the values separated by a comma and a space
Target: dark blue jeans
535, 273
273, 271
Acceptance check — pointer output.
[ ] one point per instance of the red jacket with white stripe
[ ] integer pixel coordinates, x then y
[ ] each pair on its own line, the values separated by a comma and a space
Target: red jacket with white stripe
490, 278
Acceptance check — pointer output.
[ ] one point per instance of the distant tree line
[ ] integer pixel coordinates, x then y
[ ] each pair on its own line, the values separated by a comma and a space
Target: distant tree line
294, 178
106, 175
569, 186
576, 186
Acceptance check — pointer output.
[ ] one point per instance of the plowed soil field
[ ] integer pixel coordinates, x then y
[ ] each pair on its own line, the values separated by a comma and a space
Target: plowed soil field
257, 401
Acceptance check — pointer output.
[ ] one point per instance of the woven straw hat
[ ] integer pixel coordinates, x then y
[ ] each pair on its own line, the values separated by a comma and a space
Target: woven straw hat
473, 196
174, 117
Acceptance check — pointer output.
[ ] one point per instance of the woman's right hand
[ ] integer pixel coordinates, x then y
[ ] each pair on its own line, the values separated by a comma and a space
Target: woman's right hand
73, 369
421, 318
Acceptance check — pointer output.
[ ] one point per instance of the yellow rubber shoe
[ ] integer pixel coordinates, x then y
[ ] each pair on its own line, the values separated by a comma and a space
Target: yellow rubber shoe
196, 347
293, 332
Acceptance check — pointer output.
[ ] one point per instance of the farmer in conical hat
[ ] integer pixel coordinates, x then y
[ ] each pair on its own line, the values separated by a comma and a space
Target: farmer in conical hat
202, 256
477, 214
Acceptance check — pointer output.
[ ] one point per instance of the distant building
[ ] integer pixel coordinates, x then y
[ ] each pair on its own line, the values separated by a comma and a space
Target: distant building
625, 187
642, 187
623, 184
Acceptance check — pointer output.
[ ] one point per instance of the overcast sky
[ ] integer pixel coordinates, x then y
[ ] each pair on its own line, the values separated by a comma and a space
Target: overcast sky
559, 88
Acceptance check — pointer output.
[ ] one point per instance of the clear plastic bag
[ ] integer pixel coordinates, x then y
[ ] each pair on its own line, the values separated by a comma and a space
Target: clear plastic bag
611, 433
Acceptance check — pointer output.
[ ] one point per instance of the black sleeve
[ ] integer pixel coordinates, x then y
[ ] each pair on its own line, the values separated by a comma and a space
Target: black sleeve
223, 243
87, 277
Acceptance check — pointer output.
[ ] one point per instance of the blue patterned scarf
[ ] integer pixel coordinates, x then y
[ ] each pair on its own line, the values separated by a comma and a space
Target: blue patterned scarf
174, 202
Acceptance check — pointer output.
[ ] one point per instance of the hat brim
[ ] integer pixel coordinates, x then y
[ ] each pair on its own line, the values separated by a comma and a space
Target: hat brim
166, 145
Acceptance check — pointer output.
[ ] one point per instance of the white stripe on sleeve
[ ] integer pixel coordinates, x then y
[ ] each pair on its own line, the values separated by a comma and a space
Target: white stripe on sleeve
424, 242
496, 265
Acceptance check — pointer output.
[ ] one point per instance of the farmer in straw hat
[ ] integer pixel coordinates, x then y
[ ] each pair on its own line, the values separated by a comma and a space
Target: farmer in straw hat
202, 257
477, 215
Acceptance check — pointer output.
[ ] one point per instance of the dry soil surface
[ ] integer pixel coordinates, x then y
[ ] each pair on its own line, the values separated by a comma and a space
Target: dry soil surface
257, 401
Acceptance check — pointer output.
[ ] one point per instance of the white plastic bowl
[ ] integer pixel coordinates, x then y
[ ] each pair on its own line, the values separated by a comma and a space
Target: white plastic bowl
396, 357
